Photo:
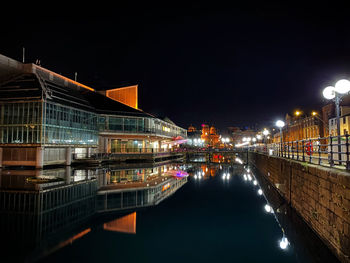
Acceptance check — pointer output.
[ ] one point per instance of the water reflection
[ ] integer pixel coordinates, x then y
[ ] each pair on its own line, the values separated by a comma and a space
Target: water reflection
124, 224
295, 232
41, 211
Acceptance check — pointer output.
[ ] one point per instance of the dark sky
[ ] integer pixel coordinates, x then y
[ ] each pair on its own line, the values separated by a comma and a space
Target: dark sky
224, 65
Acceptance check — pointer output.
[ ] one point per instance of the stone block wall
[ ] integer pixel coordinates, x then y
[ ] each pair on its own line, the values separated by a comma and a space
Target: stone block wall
320, 195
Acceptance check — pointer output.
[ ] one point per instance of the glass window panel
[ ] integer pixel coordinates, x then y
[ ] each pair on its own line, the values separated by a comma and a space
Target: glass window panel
129, 124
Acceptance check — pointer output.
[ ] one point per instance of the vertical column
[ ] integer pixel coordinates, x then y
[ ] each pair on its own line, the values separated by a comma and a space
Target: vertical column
89, 150
0, 157
105, 145
68, 174
109, 145
39, 157
159, 146
68, 155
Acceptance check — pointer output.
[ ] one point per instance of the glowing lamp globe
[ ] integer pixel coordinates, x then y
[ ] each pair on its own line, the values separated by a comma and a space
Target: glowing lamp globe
342, 86
280, 124
266, 132
329, 93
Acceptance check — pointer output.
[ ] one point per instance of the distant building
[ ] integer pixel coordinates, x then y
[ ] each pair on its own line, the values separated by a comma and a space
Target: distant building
328, 112
344, 122
300, 128
191, 129
209, 135
237, 134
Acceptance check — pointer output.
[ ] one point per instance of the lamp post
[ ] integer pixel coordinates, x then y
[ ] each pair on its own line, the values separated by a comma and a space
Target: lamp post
340, 88
280, 124
265, 132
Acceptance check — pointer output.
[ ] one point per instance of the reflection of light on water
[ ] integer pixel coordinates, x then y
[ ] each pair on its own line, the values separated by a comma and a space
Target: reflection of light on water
125, 224
238, 160
284, 243
226, 176
269, 209
249, 177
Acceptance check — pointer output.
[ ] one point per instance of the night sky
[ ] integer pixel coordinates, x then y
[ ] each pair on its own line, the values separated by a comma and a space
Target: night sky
223, 65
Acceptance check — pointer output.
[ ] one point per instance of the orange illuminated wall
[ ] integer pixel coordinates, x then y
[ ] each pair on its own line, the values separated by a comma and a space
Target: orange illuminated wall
125, 224
125, 95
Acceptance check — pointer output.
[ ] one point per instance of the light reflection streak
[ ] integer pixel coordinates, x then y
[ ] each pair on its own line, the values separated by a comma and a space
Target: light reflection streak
283, 242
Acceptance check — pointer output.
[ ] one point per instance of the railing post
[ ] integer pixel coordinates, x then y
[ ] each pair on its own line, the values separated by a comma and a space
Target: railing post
303, 159
288, 149
282, 149
297, 150
292, 150
311, 148
319, 150
347, 152
330, 157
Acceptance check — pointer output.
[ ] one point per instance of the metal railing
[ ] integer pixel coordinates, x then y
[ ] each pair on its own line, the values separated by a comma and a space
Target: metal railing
148, 131
129, 151
326, 151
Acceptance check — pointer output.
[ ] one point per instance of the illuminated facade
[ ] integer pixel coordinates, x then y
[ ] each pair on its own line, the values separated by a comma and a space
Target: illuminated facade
46, 119
191, 129
126, 95
209, 135
299, 128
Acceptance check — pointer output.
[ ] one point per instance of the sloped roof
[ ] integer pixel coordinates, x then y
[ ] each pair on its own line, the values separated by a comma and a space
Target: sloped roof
105, 105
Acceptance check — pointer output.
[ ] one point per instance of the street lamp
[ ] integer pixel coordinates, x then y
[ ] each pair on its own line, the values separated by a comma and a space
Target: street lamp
280, 124
341, 87
315, 114
266, 132
297, 113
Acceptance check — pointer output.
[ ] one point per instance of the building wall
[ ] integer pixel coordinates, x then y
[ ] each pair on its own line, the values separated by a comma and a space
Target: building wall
344, 126
125, 95
301, 129
328, 112
320, 195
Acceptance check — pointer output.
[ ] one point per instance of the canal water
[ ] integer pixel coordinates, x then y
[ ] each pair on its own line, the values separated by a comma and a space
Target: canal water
221, 213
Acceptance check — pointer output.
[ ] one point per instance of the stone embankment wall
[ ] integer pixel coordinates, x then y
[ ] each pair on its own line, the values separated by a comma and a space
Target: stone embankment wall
320, 195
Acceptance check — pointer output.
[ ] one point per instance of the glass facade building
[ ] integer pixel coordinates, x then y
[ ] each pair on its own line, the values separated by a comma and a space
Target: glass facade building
48, 113
21, 123
139, 125
69, 126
